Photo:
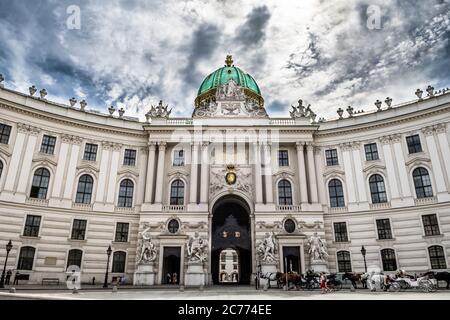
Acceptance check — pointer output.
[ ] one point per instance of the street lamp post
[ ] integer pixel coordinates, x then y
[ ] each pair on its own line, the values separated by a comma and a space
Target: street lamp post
363, 252
8, 249
108, 252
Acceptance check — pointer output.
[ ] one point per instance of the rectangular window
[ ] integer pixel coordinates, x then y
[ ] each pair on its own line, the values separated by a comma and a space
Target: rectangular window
332, 157
371, 151
32, 225
283, 158
413, 143
79, 229
384, 229
178, 158
90, 152
430, 225
130, 157
340, 232
5, 132
122, 232
48, 144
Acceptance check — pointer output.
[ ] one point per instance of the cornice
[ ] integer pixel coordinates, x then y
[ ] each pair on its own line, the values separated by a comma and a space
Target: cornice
59, 119
68, 138
349, 146
391, 139
351, 129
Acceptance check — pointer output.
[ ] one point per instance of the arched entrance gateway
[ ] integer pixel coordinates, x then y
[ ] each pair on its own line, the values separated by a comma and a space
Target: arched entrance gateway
231, 239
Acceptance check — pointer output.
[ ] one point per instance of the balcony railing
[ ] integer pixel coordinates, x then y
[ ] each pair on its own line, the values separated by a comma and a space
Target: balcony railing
37, 202
282, 122
337, 209
381, 205
82, 206
425, 201
287, 208
125, 210
171, 208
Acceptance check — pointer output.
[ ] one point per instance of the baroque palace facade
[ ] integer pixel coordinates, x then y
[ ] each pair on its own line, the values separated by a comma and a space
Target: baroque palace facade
215, 197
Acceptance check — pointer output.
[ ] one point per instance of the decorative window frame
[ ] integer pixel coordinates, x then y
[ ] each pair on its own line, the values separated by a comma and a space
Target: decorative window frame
85, 231
429, 258
397, 261
34, 258
126, 261
419, 164
291, 181
296, 224
337, 262
383, 174
349, 240
94, 176
24, 223
441, 234
166, 225
344, 189
120, 178
382, 217
35, 167
66, 260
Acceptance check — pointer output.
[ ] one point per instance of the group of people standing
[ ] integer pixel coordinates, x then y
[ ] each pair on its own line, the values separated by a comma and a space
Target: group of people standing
172, 278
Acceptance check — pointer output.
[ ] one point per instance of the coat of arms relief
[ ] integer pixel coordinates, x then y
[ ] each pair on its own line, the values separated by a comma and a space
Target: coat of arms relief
230, 178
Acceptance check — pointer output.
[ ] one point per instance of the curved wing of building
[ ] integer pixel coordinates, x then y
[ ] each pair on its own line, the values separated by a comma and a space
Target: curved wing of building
223, 194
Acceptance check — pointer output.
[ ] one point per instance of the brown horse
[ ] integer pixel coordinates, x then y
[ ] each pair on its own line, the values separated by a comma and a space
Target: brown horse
354, 278
292, 278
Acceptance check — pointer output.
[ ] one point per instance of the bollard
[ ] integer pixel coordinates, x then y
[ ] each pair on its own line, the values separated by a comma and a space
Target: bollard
12, 290
265, 287
181, 289
74, 291
202, 287
114, 289
352, 288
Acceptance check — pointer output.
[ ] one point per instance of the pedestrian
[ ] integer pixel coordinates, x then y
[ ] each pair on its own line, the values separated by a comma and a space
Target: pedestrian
8, 276
175, 278
16, 278
93, 281
323, 283
168, 278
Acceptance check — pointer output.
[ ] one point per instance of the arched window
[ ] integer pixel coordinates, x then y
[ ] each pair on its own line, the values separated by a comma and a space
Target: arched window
437, 257
119, 259
1, 168
422, 183
84, 191
177, 193
344, 262
284, 193
388, 260
26, 258
126, 194
377, 189
336, 193
74, 258
40, 183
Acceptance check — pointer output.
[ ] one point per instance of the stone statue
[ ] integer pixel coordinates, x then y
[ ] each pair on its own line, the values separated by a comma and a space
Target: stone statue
267, 248
317, 248
196, 249
147, 250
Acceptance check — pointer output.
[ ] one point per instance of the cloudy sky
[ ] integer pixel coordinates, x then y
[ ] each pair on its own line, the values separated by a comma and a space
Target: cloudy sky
132, 53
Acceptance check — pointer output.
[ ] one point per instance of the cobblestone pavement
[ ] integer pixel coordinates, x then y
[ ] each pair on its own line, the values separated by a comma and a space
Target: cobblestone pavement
221, 293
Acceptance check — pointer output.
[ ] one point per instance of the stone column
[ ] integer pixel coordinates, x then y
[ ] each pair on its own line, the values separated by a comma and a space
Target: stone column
257, 172
302, 173
312, 173
26, 162
204, 173
160, 172
150, 172
320, 183
194, 162
268, 172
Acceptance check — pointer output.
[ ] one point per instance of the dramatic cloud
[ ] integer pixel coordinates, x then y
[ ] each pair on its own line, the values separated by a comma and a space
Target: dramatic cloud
132, 54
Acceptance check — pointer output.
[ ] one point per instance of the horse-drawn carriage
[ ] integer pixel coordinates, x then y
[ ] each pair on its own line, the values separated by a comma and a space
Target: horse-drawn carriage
307, 281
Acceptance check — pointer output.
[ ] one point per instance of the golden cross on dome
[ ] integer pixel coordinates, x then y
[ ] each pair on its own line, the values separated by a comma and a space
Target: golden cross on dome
229, 60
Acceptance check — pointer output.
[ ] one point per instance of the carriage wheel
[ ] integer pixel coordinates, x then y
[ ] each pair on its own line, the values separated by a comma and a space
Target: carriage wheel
395, 287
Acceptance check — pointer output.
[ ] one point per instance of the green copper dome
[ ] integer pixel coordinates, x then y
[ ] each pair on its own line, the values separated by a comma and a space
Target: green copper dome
222, 75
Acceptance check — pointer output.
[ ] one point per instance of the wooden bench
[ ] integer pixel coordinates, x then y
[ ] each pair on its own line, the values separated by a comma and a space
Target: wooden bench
50, 280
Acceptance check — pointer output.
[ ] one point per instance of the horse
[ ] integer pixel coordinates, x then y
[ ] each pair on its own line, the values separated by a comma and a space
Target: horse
439, 276
354, 277
293, 278
270, 276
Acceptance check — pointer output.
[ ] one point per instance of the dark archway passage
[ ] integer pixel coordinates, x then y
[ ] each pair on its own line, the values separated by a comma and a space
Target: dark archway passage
231, 229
